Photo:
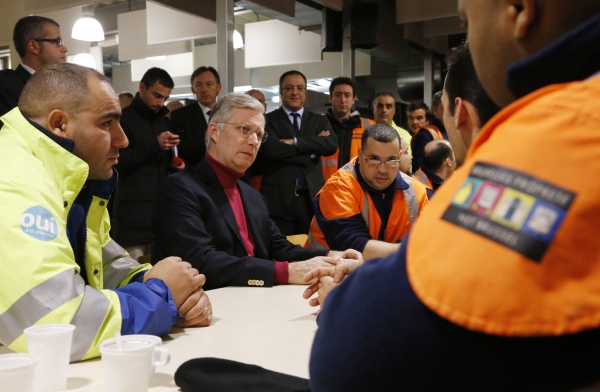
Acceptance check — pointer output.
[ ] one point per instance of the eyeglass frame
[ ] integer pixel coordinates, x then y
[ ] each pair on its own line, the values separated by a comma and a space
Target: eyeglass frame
388, 163
288, 89
244, 131
56, 41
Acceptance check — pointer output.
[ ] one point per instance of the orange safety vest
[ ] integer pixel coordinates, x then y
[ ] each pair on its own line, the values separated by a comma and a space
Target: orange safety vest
433, 131
422, 177
330, 163
342, 196
509, 246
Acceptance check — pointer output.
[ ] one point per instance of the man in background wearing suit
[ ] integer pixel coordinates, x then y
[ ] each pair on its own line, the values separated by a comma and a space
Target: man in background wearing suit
220, 223
291, 160
37, 41
191, 121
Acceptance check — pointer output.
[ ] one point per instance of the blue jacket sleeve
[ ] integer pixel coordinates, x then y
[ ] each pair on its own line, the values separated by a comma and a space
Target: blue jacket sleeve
343, 233
147, 308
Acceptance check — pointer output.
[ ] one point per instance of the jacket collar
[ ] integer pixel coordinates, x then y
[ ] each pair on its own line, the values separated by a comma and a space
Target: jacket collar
145, 111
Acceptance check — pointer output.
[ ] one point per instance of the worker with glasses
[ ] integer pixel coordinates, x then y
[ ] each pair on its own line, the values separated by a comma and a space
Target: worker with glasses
369, 204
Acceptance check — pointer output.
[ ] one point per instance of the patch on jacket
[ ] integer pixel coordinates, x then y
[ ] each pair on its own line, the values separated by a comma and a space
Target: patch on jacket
511, 208
38, 222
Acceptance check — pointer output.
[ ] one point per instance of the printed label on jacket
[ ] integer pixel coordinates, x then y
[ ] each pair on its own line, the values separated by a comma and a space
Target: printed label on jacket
511, 208
38, 222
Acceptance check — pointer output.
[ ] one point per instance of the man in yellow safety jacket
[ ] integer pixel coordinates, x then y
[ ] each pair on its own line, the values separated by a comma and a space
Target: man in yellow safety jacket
58, 262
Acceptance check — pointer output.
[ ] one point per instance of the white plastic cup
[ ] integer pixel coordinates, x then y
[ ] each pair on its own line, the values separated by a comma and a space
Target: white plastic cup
129, 365
51, 344
16, 372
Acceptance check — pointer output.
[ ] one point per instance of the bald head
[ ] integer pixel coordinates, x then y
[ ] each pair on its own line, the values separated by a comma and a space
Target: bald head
439, 157
258, 95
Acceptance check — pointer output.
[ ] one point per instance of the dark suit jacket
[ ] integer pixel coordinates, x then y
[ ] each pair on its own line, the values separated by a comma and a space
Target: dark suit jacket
11, 85
193, 219
142, 164
279, 162
190, 124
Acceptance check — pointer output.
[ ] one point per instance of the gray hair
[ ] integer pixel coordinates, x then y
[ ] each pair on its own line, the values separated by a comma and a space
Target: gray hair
223, 110
381, 133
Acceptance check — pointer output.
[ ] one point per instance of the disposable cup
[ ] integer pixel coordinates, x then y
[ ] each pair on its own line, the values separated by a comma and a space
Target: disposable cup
16, 372
51, 343
129, 362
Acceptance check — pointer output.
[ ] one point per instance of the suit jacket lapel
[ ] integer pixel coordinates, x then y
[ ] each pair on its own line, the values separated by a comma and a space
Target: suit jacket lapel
289, 128
217, 194
23, 73
200, 119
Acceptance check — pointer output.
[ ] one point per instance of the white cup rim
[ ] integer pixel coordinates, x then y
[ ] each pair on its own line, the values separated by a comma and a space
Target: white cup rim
128, 338
17, 365
49, 329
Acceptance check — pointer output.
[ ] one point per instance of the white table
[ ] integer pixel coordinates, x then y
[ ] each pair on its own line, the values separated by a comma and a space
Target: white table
269, 327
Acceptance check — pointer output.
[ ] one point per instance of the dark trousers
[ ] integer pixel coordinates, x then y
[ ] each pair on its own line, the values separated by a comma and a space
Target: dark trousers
300, 215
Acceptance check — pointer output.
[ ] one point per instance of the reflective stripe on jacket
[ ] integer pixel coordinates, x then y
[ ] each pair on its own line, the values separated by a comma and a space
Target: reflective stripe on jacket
40, 278
330, 163
342, 196
422, 177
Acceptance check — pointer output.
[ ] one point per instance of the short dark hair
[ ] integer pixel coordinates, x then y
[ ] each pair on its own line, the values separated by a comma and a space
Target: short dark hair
382, 133
462, 81
292, 72
434, 157
28, 28
342, 80
418, 105
154, 75
201, 70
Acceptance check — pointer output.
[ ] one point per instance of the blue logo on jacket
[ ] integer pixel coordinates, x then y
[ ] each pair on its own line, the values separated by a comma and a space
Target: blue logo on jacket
38, 222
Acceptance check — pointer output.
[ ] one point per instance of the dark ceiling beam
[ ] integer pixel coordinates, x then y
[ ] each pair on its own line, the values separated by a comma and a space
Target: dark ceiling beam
204, 8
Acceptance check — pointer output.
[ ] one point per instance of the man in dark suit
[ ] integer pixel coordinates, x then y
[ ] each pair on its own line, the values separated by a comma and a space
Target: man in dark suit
191, 121
220, 224
290, 162
37, 41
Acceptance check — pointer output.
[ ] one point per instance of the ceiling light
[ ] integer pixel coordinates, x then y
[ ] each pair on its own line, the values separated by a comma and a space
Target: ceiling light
238, 42
87, 28
85, 59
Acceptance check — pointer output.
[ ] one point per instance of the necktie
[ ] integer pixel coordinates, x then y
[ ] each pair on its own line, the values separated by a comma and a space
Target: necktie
296, 125
207, 115
301, 179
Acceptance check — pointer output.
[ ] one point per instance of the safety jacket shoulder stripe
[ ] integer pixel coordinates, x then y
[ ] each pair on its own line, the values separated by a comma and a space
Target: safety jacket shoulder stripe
88, 321
39, 301
410, 196
117, 266
422, 177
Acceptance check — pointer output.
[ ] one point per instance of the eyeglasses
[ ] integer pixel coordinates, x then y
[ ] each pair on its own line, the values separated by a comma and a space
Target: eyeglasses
56, 41
288, 89
247, 131
373, 162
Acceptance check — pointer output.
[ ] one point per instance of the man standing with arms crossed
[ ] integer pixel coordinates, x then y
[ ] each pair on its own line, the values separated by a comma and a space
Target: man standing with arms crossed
290, 161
